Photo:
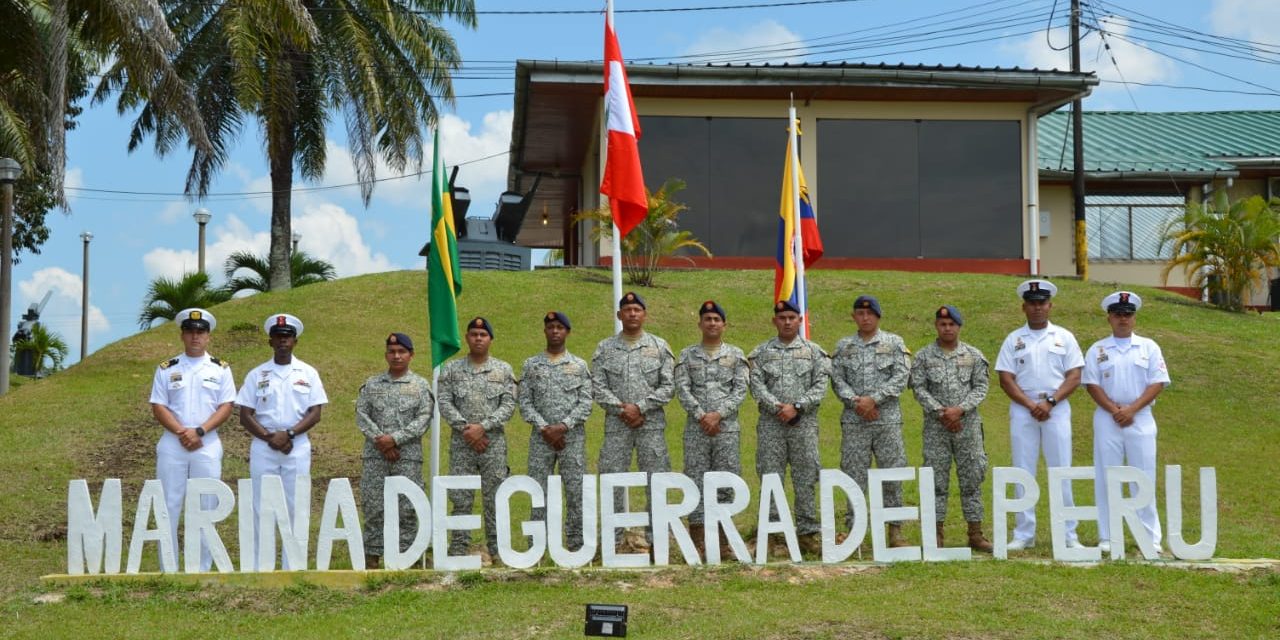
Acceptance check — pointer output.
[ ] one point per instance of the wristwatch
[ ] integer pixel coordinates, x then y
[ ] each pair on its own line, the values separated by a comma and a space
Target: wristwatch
1053, 402
290, 433
200, 431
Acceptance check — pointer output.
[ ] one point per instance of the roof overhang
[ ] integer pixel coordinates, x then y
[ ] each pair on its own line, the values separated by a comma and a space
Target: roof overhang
557, 104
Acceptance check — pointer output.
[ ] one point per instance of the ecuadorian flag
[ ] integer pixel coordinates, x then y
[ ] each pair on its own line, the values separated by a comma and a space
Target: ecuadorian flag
798, 238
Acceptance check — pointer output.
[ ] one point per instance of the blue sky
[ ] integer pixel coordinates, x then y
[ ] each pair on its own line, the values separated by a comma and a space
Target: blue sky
138, 237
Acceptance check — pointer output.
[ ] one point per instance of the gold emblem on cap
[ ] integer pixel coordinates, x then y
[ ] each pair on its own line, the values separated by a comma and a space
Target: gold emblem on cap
1035, 285
942, 311
194, 315
551, 315
391, 339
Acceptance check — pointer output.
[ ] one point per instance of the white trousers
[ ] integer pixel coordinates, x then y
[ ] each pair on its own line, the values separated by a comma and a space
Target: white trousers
1027, 437
1133, 446
174, 465
265, 461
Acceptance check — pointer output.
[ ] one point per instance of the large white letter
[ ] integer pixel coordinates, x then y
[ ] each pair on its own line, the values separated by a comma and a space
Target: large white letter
880, 515
245, 525
536, 531
555, 527
89, 535
666, 517
929, 516
199, 524
152, 500
274, 516
719, 516
1202, 550
828, 481
1126, 509
444, 523
393, 487
772, 493
1060, 514
339, 501
1002, 505
611, 522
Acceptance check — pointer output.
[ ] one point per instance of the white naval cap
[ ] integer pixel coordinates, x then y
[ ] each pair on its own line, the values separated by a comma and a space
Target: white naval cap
1036, 289
1122, 302
283, 323
195, 318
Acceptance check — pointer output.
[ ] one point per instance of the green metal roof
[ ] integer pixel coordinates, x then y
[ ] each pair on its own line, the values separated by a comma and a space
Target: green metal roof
1130, 142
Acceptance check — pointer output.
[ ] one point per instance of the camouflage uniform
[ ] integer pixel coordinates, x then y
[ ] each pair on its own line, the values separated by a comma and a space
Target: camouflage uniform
797, 374
877, 368
485, 395
956, 379
707, 382
558, 391
401, 408
640, 373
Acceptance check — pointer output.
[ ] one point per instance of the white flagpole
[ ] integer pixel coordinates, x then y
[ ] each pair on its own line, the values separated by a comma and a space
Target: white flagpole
435, 424
797, 242
604, 159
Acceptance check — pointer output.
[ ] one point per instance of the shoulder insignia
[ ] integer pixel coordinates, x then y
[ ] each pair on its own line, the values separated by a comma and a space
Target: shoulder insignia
168, 363
222, 363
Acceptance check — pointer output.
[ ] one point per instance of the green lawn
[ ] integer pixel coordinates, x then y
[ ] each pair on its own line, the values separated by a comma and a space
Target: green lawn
92, 422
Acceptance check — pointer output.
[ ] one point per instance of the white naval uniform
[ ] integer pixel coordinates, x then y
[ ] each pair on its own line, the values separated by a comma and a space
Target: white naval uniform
1039, 361
279, 396
1124, 373
191, 389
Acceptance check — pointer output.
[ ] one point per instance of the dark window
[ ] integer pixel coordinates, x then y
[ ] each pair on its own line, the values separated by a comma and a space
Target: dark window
910, 188
733, 171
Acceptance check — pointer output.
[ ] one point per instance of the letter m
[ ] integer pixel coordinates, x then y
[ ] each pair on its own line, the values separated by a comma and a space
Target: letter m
89, 534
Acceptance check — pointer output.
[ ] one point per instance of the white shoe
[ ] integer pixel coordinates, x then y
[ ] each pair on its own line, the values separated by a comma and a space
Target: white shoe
1020, 544
1074, 544
1104, 547
1159, 549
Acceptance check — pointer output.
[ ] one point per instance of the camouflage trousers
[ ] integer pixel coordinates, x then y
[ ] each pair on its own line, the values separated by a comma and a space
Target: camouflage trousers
780, 445
491, 466
571, 462
372, 479
940, 448
703, 453
859, 443
650, 447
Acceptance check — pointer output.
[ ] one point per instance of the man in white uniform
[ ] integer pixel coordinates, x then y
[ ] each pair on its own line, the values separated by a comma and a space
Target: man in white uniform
1039, 366
191, 397
279, 402
1123, 374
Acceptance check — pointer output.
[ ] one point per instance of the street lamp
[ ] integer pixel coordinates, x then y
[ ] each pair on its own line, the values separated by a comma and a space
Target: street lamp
10, 170
202, 216
297, 237
84, 299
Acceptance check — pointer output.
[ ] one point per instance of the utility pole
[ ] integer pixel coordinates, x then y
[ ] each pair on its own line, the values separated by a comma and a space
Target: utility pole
1077, 154
202, 217
84, 299
10, 171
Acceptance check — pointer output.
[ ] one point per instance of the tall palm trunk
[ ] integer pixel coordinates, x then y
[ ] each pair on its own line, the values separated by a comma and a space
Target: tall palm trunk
280, 150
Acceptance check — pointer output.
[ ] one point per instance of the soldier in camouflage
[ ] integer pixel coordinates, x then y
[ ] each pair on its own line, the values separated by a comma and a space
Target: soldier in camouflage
555, 399
393, 410
949, 379
711, 382
477, 397
789, 379
869, 372
631, 375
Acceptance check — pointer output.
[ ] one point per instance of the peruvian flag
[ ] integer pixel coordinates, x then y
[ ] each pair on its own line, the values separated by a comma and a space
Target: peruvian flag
623, 179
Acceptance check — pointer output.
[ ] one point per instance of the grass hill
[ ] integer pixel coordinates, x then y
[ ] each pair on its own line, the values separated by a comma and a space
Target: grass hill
93, 421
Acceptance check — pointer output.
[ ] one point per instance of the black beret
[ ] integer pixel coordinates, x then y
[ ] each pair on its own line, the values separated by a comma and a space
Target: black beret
556, 316
784, 305
711, 306
480, 323
632, 298
402, 340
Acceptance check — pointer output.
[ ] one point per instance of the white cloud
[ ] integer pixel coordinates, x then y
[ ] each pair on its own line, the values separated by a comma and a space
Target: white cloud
72, 180
1254, 20
724, 44
62, 314
1135, 63
328, 232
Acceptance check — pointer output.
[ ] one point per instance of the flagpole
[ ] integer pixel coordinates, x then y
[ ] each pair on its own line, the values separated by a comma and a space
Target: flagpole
435, 424
797, 240
616, 235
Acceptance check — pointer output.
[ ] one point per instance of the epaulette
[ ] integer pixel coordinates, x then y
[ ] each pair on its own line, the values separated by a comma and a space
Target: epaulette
168, 363
219, 362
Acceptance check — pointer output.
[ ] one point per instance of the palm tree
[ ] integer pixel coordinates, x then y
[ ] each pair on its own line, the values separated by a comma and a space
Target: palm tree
657, 238
1225, 246
287, 65
46, 48
44, 345
166, 297
303, 270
